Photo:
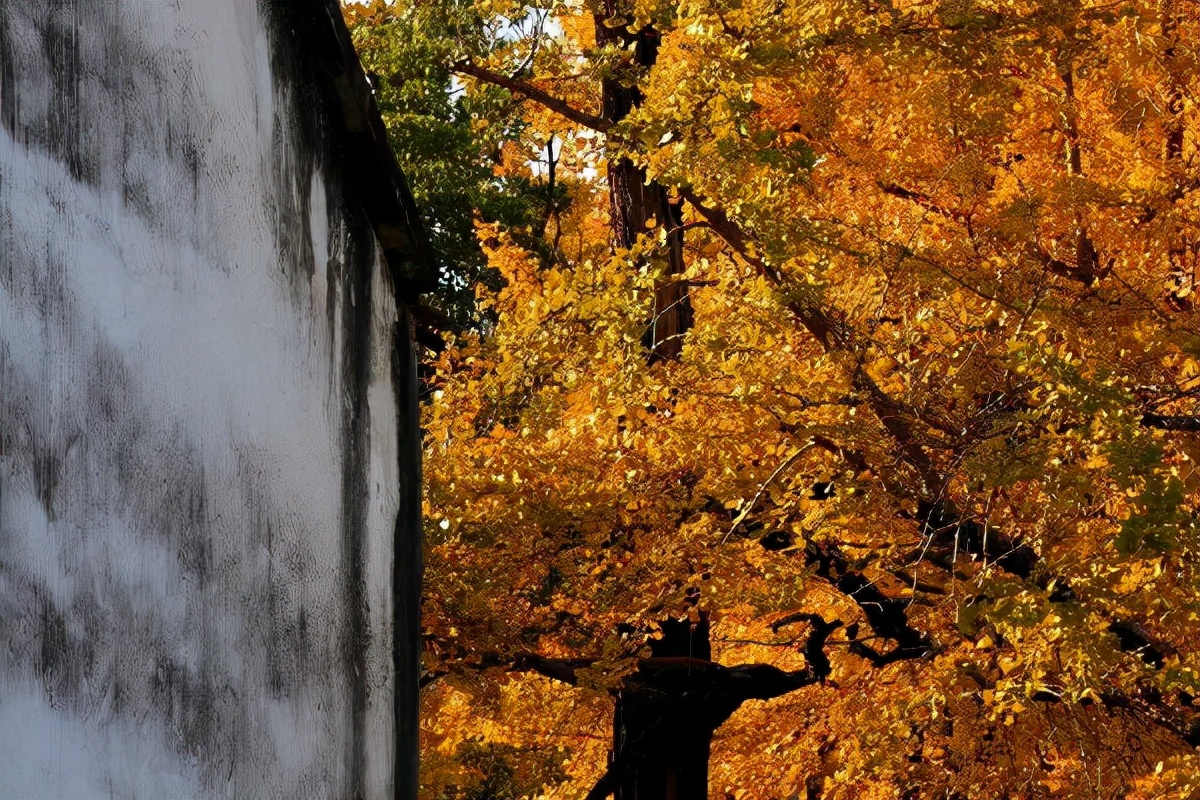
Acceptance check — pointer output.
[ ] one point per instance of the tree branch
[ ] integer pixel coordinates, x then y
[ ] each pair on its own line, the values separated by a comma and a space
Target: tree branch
895, 416
1061, 268
787, 462
559, 669
1167, 422
887, 617
1084, 272
924, 201
606, 785
555, 104
731, 232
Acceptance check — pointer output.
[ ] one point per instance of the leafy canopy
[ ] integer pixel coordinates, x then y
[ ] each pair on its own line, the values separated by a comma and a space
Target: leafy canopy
942, 259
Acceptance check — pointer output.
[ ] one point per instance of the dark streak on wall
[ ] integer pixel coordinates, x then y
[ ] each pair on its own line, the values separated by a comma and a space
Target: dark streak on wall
295, 38
406, 587
311, 40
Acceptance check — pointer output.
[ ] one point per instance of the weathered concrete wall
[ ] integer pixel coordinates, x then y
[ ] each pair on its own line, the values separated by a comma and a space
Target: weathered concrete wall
200, 434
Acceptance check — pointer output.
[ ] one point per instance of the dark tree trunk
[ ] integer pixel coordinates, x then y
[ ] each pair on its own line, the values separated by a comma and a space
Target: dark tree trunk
662, 726
634, 202
668, 710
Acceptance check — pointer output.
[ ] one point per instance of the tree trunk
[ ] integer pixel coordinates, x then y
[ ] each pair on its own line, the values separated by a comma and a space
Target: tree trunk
662, 726
635, 202
660, 746
667, 711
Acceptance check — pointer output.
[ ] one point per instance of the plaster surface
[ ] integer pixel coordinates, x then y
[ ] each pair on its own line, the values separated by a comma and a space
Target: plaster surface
199, 427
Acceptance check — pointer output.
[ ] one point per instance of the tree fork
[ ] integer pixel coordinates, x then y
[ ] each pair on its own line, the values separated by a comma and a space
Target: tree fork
667, 711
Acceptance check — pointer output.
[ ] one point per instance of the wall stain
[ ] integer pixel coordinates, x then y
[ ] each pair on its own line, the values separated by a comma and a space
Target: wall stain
158, 567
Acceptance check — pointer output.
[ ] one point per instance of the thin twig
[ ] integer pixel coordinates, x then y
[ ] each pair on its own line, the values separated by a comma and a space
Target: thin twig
787, 462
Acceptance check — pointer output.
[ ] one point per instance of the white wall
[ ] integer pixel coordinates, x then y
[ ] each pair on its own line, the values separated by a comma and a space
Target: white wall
197, 417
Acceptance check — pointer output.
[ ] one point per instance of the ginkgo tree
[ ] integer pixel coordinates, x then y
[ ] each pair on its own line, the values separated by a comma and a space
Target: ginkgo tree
839, 437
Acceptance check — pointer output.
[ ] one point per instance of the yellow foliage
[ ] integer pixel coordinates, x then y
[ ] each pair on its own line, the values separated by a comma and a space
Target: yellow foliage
927, 182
